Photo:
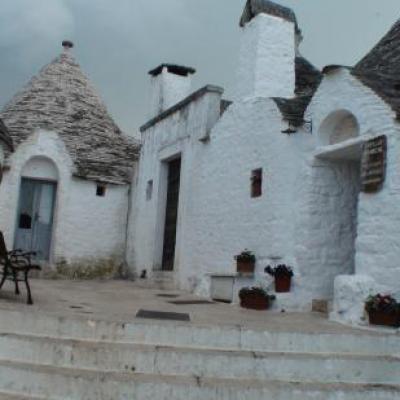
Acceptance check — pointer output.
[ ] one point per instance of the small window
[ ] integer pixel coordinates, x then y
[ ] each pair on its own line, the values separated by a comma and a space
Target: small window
149, 190
100, 190
256, 183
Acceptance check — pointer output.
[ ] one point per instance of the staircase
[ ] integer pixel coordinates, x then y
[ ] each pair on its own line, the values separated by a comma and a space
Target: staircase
44, 356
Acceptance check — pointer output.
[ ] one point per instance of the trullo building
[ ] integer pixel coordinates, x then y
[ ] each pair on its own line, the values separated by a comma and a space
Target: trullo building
66, 178
322, 148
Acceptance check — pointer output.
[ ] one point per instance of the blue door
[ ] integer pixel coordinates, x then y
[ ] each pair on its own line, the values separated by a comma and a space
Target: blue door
35, 217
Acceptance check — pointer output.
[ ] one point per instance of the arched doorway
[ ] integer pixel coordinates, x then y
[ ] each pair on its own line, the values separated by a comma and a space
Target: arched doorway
335, 194
36, 205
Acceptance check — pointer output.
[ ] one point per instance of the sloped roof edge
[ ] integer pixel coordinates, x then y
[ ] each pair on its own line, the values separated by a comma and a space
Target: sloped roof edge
5, 136
185, 102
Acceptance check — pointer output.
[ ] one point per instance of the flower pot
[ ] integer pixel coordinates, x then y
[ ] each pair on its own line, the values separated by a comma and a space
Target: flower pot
283, 283
255, 302
245, 267
385, 319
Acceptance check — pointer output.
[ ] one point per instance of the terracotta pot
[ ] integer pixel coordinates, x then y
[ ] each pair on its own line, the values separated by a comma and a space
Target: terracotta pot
254, 302
385, 319
283, 283
245, 267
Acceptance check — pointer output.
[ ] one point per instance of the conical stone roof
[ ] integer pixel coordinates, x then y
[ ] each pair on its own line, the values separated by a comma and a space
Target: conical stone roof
380, 68
62, 99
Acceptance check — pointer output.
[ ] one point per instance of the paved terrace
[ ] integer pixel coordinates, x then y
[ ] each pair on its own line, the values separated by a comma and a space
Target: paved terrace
119, 301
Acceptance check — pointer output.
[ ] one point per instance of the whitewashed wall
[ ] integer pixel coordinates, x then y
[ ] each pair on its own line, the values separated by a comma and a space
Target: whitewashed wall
267, 58
377, 246
225, 219
178, 134
92, 228
86, 227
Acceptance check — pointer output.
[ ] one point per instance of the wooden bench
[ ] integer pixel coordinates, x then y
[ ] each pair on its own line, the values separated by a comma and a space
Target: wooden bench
15, 266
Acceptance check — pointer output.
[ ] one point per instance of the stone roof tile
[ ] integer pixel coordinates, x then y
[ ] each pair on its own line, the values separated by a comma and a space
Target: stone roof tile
5, 136
380, 68
308, 79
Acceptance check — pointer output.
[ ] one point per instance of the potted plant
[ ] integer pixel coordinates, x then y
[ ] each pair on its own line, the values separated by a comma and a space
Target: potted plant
383, 310
255, 298
245, 262
283, 275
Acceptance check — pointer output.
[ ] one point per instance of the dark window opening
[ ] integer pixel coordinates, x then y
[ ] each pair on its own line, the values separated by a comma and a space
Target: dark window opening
256, 183
25, 221
100, 191
149, 190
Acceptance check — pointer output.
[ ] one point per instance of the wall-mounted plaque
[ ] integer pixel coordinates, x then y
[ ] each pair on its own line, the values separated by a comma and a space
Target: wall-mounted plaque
373, 164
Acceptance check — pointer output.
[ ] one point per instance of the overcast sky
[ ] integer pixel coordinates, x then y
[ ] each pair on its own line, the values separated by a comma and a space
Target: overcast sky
118, 41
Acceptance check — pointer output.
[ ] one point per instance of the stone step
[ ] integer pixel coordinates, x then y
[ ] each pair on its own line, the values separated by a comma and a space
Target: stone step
150, 359
81, 384
212, 336
14, 396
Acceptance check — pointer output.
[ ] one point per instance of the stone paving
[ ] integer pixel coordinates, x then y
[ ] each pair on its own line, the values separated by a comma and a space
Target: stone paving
120, 301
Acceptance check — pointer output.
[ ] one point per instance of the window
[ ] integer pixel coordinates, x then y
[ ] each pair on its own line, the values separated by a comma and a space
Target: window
149, 190
256, 183
101, 190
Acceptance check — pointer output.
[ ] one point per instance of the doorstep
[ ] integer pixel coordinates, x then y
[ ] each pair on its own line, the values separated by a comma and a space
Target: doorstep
223, 285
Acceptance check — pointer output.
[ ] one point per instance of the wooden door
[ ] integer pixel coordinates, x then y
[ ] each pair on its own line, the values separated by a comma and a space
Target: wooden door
35, 217
171, 214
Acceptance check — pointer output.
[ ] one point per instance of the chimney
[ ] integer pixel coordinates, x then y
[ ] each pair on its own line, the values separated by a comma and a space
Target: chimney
169, 85
267, 57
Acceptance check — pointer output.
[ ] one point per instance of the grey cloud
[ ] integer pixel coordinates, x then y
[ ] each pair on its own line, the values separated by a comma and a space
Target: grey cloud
28, 28
118, 41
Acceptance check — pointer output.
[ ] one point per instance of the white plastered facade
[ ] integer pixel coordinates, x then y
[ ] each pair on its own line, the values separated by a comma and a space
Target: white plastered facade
86, 229
376, 246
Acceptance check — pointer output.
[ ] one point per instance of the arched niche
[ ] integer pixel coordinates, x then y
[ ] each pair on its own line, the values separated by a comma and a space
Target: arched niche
338, 127
40, 168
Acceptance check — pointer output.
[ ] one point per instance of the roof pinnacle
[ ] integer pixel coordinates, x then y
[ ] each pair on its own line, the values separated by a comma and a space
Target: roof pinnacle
67, 44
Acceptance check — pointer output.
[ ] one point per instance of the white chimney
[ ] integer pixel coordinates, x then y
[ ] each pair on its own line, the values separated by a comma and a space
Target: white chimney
169, 85
267, 58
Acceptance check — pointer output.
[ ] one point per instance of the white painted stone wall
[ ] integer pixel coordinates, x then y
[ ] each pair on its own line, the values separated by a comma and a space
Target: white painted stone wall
377, 247
225, 219
267, 58
178, 134
86, 227
92, 228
